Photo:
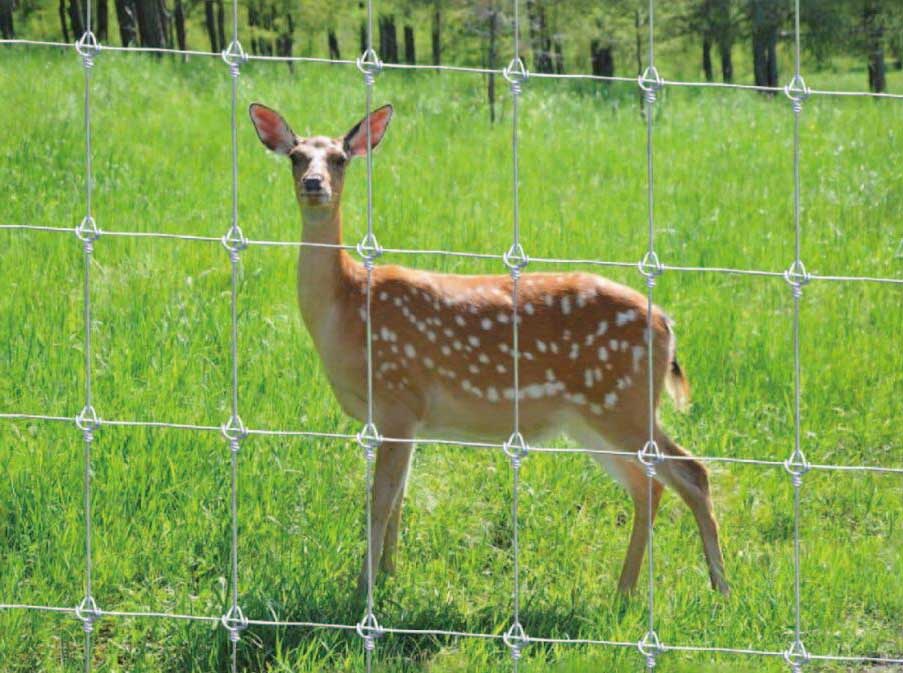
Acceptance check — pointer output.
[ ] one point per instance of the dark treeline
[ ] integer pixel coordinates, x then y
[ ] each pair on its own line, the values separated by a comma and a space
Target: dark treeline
556, 37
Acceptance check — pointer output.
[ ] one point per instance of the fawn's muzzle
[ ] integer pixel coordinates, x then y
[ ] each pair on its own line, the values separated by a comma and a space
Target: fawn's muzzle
313, 183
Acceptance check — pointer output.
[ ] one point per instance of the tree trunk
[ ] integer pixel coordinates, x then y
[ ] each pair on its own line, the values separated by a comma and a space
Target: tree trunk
125, 16
602, 59
436, 34
388, 39
286, 40
76, 19
874, 35
179, 18
220, 21
150, 23
210, 25
165, 23
773, 58
540, 43
7, 30
727, 63
103, 20
765, 19
410, 53
63, 23
639, 42
492, 58
707, 58
558, 53
333, 41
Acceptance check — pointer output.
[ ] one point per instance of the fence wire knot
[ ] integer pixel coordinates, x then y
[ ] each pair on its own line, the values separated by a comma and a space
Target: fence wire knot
234, 621
650, 646
651, 83
796, 655
516, 73
234, 241
515, 259
516, 448
87, 232
369, 250
650, 267
369, 440
370, 65
87, 422
88, 48
650, 456
368, 629
87, 612
234, 431
516, 639
234, 55
797, 92
797, 277
797, 465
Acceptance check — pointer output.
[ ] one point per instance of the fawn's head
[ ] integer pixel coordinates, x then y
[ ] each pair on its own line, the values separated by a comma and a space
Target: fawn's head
318, 162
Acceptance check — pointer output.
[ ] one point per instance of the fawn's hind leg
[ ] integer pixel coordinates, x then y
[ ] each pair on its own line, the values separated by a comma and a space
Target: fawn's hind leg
637, 484
628, 472
691, 481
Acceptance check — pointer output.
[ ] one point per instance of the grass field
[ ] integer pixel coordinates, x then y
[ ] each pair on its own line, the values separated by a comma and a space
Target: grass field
161, 352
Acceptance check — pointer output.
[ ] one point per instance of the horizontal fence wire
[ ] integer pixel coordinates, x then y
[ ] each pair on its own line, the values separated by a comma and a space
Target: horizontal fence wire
452, 68
436, 441
447, 633
235, 431
427, 252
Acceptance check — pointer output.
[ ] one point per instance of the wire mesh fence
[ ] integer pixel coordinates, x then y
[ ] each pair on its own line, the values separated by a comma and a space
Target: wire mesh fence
516, 448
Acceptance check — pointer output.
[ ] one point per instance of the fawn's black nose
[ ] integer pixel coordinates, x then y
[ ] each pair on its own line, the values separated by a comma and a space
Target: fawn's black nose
313, 183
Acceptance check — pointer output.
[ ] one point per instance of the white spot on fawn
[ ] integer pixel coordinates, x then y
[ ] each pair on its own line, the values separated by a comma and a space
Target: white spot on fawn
541, 345
486, 323
474, 340
602, 328
428, 362
603, 353
588, 378
492, 394
622, 318
610, 400
409, 351
565, 304
528, 308
460, 320
638, 353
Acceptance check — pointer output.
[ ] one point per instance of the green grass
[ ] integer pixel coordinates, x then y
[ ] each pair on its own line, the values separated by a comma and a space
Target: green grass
161, 345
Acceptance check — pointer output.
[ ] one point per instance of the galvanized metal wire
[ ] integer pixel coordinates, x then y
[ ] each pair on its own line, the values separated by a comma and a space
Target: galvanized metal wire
516, 448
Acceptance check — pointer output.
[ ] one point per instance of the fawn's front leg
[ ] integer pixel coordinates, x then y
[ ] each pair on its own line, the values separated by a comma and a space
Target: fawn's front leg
392, 461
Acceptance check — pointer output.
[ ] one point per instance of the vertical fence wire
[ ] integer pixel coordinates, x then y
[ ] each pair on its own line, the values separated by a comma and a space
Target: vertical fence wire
515, 259
797, 277
234, 431
369, 438
650, 454
86, 421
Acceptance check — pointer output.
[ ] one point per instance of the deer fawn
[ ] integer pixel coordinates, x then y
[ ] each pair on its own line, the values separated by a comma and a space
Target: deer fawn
442, 354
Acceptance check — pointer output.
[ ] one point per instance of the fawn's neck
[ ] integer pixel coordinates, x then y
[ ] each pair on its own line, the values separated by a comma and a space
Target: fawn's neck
327, 274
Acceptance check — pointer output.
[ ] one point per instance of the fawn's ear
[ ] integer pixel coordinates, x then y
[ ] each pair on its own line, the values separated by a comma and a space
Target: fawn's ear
272, 129
355, 141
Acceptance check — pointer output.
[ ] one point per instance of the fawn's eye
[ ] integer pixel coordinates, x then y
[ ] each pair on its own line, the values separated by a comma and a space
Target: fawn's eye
299, 159
338, 159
